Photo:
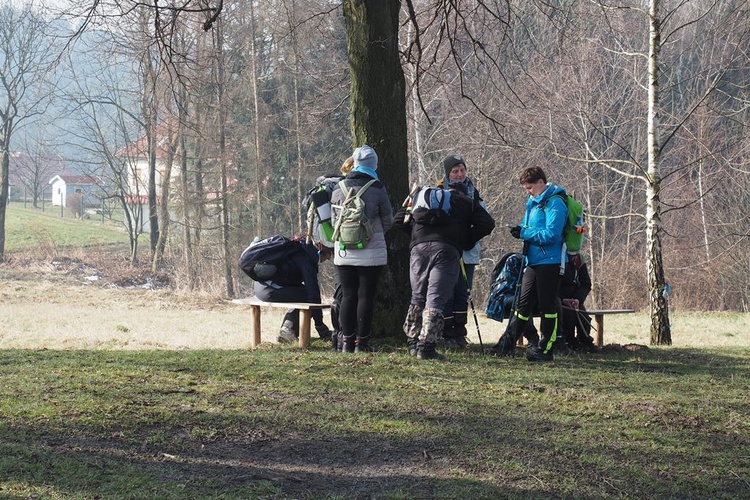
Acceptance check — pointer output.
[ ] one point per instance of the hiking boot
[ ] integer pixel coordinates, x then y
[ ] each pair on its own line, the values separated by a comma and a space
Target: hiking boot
286, 336
456, 343
590, 347
323, 332
451, 344
427, 351
335, 341
412, 344
504, 347
561, 347
348, 344
363, 345
535, 354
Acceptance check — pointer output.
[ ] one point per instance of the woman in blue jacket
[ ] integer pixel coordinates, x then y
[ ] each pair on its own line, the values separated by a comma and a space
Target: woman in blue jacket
542, 233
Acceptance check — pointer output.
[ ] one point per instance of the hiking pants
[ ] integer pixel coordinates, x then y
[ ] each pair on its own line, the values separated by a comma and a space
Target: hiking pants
336, 302
358, 287
433, 271
269, 291
539, 288
457, 307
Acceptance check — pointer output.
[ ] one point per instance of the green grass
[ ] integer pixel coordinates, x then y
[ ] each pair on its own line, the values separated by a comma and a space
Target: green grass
31, 229
278, 422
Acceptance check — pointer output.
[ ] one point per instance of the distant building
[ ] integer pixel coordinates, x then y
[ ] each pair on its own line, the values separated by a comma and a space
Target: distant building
137, 155
28, 175
89, 187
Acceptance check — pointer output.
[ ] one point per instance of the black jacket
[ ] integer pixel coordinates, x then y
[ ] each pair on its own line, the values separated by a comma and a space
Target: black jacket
301, 269
575, 283
467, 223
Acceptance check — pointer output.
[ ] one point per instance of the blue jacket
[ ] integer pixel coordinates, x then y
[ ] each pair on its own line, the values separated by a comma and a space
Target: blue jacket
543, 225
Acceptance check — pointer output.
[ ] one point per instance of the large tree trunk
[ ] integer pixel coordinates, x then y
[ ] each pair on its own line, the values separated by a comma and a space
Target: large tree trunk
660, 331
378, 114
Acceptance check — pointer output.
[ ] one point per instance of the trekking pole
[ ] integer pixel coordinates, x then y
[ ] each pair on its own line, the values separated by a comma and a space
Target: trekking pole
581, 318
471, 302
407, 200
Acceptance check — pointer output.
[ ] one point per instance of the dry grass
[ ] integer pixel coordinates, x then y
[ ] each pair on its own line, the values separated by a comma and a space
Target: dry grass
69, 305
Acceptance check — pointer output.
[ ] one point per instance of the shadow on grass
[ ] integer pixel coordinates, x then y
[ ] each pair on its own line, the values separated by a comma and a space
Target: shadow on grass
660, 423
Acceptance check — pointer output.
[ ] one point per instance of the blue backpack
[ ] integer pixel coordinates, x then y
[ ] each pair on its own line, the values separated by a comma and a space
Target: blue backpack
503, 286
431, 206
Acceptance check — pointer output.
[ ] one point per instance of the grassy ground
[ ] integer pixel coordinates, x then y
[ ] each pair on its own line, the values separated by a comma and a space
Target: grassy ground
114, 386
130, 392
281, 423
28, 227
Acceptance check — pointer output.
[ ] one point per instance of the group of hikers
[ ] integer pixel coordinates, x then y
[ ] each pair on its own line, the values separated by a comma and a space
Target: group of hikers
351, 215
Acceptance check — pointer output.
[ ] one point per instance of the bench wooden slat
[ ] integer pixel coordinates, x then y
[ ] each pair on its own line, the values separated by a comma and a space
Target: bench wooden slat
610, 311
253, 301
305, 311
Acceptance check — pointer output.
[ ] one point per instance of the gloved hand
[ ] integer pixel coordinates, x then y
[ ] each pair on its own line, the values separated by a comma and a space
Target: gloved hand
515, 231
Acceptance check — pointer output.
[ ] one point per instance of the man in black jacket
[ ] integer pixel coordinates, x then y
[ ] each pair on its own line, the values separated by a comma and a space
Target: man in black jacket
442, 224
296, 280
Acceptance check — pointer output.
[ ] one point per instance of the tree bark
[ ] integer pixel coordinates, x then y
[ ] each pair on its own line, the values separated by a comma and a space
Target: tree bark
660, 330
378, 118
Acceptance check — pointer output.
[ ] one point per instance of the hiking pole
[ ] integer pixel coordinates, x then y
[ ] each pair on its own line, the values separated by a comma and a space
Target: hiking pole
471, 302
407, 200
581, 318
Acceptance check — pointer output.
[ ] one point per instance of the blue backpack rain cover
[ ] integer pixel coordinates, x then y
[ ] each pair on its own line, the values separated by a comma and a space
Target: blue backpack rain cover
503, 286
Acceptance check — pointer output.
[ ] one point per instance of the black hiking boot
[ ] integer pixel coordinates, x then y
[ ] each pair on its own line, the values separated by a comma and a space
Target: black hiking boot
348, 344
536, 354
561, 347
363, 345
589, 346
504, 347
335, 336
427, 351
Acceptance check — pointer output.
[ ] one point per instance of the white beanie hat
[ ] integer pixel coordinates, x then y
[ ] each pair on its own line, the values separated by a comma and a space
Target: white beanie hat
365, 156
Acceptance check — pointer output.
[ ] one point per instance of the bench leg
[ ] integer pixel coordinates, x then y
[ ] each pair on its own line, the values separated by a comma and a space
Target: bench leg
304, 328
254, 326
599, 320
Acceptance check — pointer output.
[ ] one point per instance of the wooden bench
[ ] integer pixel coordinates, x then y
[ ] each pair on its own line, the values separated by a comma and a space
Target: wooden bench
598, 325
305, 311
598, 315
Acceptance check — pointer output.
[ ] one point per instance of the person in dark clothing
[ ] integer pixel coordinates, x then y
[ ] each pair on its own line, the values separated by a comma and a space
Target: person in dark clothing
456, 309
296, 280
438, 236
574, 288
542, 232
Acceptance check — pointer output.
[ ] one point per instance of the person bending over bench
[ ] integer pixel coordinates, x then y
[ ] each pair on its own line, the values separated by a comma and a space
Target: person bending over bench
296, 280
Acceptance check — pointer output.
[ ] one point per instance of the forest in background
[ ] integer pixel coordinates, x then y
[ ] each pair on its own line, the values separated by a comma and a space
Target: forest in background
251, 111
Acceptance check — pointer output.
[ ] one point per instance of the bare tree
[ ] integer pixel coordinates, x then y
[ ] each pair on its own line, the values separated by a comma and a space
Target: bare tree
27, 57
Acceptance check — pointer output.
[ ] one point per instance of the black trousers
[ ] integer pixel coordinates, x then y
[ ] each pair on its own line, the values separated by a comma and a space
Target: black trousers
358, 287
539, 288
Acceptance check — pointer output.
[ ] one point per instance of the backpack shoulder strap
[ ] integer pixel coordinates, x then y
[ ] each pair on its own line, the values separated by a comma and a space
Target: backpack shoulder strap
347, 192
364, 188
